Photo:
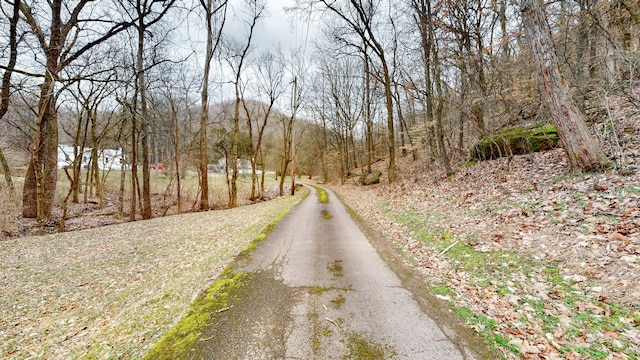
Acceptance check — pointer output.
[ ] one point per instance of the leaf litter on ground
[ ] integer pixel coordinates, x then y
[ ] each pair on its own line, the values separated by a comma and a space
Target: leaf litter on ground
546, 263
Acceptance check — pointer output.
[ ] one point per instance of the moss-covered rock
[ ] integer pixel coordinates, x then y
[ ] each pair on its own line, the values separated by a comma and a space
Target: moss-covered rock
373, 178
516, 141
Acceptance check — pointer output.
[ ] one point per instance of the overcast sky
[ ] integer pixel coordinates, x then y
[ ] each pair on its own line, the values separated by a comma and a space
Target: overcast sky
275, 28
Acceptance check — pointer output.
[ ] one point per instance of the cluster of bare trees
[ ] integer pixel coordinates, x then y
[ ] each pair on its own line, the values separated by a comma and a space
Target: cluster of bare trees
116, 74
386, 78
440, 74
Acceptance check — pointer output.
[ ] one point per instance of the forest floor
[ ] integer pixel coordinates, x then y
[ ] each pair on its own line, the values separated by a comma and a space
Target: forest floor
542, 262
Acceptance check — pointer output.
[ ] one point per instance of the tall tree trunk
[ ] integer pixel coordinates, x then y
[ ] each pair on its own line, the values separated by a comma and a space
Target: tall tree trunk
94, 158
41, 177
439, 113
123, 180
368, 120
7, 173
583, 151
391, 137
422, 8
176, 156
78, 153
6, 85
233, 198
252, 152
144, 122
204, 112
134, 160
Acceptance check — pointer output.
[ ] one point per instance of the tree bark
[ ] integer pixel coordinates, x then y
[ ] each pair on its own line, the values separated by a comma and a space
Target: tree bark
144, 118
94, 158
204, 111
583, 151
439, 114
6, 84
367, 108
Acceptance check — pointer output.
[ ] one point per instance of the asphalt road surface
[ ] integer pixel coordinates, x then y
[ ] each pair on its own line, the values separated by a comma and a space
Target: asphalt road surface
320, 289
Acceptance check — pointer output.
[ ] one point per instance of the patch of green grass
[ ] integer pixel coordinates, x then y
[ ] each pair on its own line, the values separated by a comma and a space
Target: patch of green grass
405, 255
442, 290
633, 189
486, 328
504, 343
608, 218
503, 290
591, 351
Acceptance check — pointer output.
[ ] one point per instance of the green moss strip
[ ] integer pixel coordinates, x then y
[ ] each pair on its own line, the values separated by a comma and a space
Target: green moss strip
177, 343
323, 197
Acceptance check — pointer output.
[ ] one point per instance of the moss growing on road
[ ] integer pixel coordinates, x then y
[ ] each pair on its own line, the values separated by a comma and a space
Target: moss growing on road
323, 197
335, 268
177, 343
360, 348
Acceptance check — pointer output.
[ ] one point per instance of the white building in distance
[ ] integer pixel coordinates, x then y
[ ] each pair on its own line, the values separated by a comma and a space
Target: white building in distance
108, 159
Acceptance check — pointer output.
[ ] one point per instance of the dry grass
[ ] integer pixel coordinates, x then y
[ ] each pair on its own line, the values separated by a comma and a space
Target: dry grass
8, 211
110, 292
88, 214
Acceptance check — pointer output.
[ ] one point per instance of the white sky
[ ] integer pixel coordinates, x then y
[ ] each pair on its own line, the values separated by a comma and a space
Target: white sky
276, 26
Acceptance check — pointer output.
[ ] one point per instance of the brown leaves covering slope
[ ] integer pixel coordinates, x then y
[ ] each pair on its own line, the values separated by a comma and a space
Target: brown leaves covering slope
588, 224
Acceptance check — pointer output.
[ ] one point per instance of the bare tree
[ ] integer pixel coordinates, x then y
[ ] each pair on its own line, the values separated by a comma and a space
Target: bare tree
5, 90
146, 16
270, 73
583, 151
254, 11
61, 44
359, 18
215, 23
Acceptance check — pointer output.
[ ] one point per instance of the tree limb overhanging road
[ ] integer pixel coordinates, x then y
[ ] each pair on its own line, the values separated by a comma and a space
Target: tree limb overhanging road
319, 289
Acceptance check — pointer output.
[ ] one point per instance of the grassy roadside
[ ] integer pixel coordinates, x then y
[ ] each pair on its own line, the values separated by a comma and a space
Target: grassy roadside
177, 342
522, 307
111, 292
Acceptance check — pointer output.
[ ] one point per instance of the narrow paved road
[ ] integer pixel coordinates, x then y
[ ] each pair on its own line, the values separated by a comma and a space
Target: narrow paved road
321, 290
